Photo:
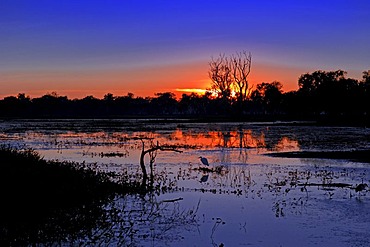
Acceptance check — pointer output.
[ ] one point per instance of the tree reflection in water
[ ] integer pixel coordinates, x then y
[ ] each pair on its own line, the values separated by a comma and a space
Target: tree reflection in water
138, 219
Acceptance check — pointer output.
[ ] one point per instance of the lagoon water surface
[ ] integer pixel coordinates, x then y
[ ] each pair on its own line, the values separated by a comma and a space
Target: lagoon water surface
245, 198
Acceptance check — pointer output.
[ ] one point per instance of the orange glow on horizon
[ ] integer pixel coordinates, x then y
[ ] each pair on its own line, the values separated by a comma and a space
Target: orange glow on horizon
142, 82
191, 90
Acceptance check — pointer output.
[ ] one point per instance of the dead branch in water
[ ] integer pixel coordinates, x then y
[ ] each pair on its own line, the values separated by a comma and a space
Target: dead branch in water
338, 185
173, 200
152, 152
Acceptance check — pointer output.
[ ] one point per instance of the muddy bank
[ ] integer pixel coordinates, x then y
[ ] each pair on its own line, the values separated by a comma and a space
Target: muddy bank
356, 155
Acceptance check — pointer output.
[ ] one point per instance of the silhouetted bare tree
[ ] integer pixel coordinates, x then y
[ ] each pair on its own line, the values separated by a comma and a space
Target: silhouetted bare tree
230, 74
220, 73
241, 64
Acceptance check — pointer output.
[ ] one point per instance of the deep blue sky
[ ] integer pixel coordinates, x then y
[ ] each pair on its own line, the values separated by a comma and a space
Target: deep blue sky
88, 47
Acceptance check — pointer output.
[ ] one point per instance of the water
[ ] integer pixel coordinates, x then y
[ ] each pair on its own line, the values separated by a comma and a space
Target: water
253, 199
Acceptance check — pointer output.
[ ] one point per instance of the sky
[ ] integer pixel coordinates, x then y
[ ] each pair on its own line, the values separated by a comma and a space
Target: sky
93, 47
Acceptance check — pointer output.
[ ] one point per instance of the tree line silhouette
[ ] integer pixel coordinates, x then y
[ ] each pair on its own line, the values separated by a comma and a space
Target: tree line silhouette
321, 94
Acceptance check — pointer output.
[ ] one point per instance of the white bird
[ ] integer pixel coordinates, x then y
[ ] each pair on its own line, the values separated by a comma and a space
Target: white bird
204, 161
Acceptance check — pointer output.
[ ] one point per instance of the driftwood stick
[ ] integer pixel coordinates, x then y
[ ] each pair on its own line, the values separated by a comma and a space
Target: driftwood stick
173, 200
339, 185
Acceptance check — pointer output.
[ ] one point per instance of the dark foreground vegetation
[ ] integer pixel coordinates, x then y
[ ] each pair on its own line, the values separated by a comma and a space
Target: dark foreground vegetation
49, 201
324, 96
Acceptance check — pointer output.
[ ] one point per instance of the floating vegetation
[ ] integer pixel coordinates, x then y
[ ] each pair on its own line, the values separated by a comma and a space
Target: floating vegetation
217, 169
108, 154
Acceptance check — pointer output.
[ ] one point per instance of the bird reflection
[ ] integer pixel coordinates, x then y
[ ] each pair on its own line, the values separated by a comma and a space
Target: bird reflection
204, 178
361, 187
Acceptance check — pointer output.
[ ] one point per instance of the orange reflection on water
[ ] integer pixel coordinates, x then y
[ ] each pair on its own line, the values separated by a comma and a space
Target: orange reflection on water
226, 139
187, 138
286, 143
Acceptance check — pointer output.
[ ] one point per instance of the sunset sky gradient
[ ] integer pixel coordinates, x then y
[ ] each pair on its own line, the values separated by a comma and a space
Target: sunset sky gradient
93, 47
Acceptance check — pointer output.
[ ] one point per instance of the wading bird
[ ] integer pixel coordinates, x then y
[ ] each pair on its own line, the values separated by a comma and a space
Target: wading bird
204, 161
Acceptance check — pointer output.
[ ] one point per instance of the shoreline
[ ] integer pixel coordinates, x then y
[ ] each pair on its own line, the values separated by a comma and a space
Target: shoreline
354, 155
